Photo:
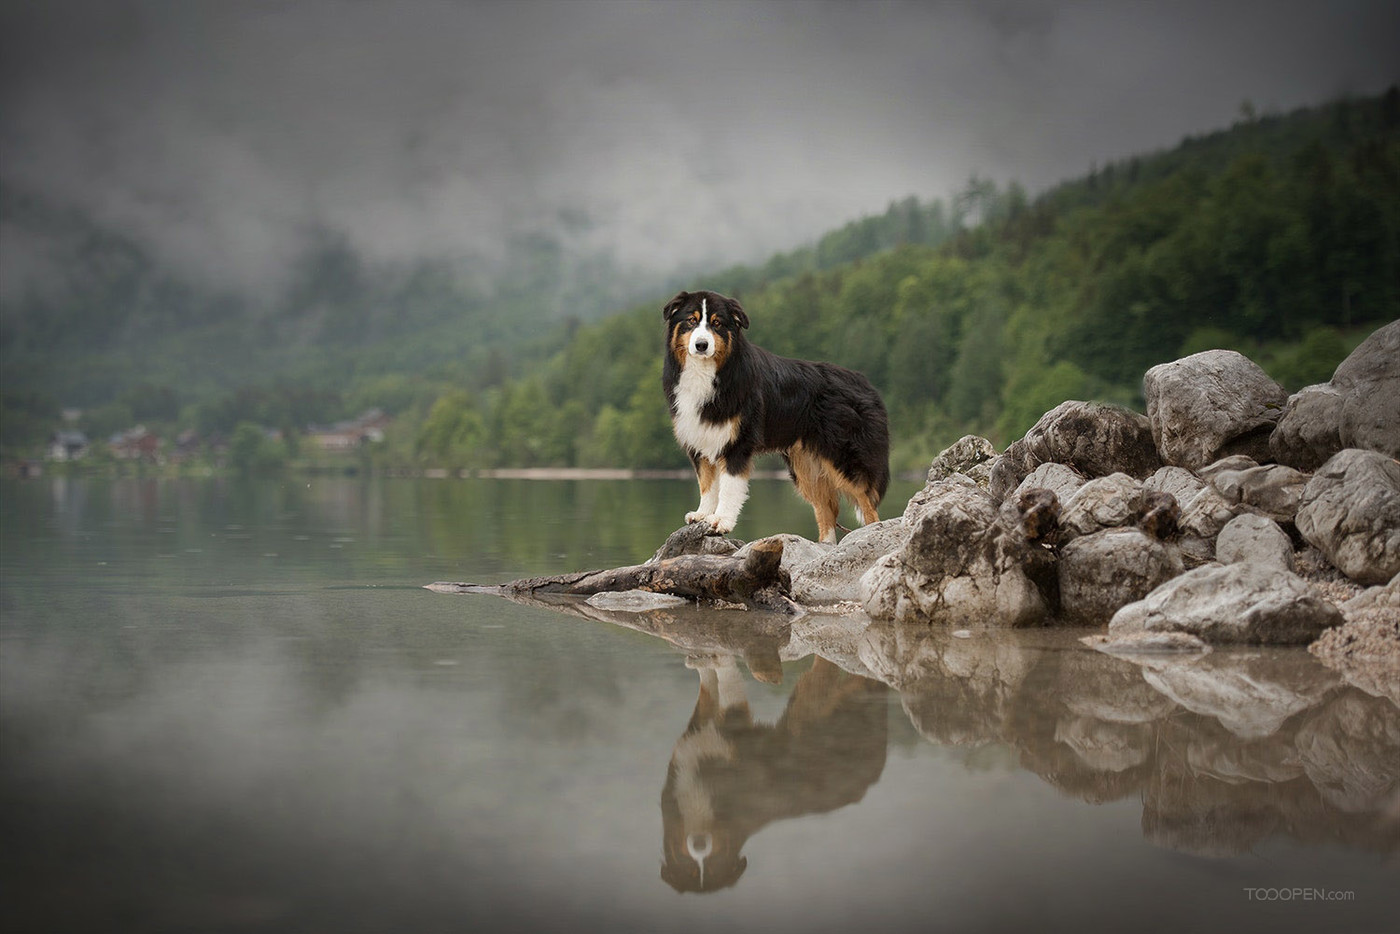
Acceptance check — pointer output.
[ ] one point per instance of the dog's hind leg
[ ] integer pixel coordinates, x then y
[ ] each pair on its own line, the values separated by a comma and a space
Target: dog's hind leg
866, 501
705, 473
814, 484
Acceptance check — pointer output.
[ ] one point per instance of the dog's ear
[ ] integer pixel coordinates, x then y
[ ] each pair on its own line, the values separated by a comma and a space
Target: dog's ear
737, 311
674, 304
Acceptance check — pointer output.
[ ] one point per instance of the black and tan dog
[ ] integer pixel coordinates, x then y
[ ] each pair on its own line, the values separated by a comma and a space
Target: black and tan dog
731, 400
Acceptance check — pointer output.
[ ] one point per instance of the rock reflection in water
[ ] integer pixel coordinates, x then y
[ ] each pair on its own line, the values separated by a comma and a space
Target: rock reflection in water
1225, 750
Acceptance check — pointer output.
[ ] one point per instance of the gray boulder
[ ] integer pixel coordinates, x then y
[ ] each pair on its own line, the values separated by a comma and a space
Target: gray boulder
1358, 408
961, 566
1206, 514
834, 576
1370, 382
1179, 482
1102, 503
970, 455
1272, 490
1249, 537
1232, 604
1057, 478
1102, 572
1094, 438
1309, 431
1209, 405
1350, 511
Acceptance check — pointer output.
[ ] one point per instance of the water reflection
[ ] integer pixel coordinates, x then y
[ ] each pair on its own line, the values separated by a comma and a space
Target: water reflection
1224, 750
730, 776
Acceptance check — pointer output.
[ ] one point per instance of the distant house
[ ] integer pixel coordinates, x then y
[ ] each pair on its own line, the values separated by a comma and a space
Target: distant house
67, 445
134, 444
346, 436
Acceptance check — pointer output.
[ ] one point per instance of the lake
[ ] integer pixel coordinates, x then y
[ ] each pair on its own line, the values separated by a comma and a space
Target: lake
231, 706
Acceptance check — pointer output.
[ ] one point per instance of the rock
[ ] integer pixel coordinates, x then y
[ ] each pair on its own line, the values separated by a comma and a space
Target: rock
1231, 462
1094, 438
1206, 514
1350, 511
1145, 643
1237, 603
970, 455
1358, 408
1209, 405
634, 601
1258, 539
835, 576
1366, 649
1273, 490
1057, 478
1370, 382
1102, 503
1309, 431
1177, 481
960, 566
797, 551
1101, 572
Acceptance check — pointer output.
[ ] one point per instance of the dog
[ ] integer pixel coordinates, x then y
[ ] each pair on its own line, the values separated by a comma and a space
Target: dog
731, 400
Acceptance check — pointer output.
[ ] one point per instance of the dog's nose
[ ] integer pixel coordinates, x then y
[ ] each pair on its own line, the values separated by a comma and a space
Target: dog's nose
702, 346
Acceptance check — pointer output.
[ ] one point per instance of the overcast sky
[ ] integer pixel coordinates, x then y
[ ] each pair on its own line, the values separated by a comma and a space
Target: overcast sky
220, 133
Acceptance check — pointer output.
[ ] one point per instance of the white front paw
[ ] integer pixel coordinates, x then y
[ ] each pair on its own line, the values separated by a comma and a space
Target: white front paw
722, 524
698, 516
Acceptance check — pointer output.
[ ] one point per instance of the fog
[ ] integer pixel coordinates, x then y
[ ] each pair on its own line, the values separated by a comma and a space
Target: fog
221, 136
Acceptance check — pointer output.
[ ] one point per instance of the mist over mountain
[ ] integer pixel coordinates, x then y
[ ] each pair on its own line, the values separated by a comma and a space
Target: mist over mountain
211, 195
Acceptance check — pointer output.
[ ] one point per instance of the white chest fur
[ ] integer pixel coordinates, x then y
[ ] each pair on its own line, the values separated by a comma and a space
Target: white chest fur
696, 387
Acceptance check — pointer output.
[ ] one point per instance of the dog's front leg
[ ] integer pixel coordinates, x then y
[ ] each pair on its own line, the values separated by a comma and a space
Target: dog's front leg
705, 472
733, 491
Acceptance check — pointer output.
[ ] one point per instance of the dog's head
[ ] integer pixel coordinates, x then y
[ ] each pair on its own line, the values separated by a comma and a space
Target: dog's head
705, 325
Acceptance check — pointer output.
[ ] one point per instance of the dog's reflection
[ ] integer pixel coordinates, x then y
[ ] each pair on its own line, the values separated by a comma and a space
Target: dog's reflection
730, 776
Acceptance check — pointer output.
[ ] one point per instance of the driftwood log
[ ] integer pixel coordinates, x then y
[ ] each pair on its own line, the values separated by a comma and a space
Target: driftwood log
756, 580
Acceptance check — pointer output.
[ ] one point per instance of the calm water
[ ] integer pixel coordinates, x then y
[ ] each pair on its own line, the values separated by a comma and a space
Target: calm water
231, 706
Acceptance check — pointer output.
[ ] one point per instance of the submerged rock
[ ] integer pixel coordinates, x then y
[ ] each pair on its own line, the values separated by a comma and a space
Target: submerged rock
634, 601
1209, 405
1351, 512
1237, 603
1094, 438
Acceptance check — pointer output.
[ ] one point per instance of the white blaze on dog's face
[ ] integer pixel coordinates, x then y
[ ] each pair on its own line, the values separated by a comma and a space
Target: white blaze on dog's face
702, 341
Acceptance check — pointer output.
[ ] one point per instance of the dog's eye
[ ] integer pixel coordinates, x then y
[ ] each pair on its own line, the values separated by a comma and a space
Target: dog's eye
717, 321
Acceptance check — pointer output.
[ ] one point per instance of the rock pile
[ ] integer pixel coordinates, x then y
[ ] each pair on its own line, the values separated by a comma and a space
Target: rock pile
1231, 512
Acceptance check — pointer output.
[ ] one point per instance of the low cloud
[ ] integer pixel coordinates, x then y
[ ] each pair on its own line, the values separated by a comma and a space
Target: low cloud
224, 135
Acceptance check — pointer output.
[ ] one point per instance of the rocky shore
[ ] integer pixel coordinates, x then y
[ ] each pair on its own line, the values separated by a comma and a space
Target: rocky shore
1230, 514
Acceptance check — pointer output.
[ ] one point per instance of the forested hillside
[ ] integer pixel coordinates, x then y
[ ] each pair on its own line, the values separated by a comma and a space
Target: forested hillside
1279, 237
